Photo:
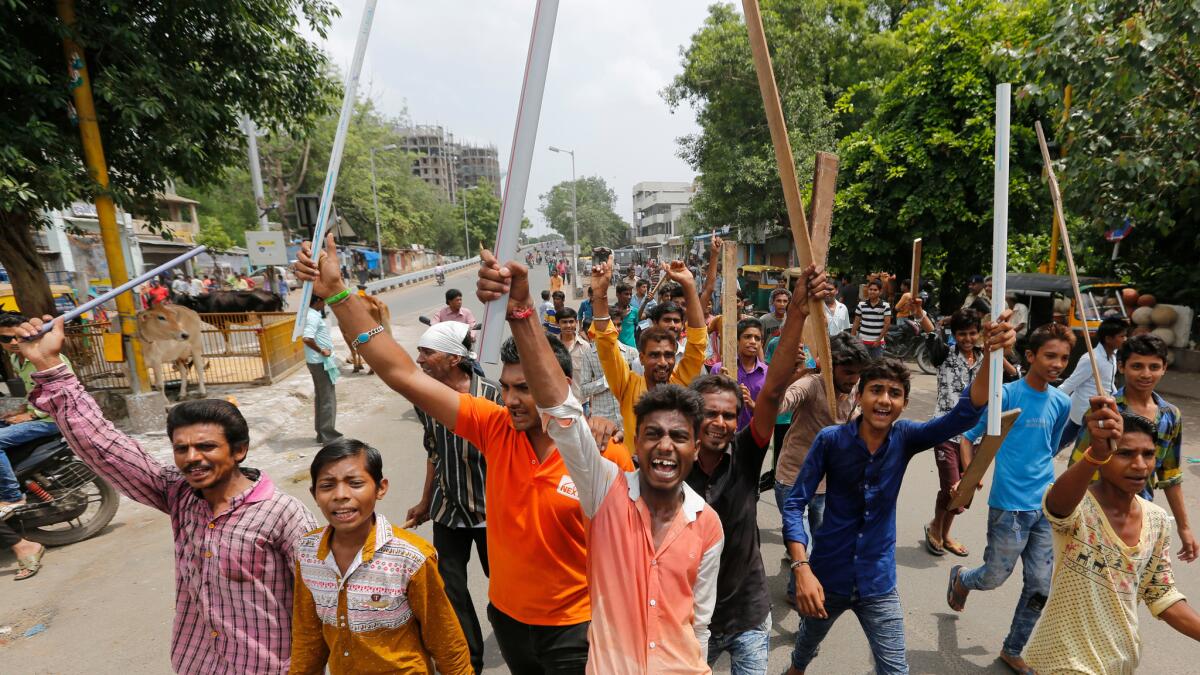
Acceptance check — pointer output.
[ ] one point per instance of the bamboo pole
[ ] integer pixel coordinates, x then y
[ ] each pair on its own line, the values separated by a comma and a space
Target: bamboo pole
787, 176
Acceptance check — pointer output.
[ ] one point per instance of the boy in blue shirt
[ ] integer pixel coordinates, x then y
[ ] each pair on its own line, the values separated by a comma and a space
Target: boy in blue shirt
1017, 526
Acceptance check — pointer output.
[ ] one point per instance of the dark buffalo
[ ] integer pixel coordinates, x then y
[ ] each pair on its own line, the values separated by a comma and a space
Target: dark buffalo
223, 309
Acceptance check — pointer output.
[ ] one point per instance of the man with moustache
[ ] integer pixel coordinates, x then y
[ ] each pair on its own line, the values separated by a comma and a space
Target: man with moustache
235, 532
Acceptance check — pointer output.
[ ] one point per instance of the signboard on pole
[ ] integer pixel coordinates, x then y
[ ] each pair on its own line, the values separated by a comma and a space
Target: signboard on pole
266, 248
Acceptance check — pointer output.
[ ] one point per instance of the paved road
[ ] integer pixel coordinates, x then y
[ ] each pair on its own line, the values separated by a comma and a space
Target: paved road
106, 603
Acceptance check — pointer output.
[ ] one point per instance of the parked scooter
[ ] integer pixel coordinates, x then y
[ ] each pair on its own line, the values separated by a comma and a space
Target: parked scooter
66, 502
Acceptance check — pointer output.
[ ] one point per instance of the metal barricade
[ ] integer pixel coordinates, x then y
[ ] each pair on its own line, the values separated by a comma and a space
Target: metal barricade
239, 348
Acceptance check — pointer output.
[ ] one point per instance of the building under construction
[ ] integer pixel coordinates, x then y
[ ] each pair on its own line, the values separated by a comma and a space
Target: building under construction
448, 165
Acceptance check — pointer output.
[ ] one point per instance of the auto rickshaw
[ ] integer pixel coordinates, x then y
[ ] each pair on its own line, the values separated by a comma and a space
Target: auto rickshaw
64, 298
1049, 297
757, 282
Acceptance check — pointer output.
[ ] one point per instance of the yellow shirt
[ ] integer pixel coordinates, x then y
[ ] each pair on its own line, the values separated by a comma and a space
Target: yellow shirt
388, 614
629, 386
1090, 623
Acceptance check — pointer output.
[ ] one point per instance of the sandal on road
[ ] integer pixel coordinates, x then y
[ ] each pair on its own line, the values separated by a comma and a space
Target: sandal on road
956, 600
956, 548
930, 546
30, 565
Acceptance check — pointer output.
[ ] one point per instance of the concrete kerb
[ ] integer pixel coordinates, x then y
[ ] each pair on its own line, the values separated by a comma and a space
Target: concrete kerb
377, 287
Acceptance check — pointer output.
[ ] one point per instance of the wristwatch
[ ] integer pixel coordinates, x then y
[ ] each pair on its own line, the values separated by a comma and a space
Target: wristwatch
364, 337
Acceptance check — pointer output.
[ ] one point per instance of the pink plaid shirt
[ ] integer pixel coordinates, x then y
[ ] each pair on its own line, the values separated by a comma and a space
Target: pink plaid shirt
234, 573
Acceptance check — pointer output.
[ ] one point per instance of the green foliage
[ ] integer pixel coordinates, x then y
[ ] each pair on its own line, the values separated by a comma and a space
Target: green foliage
922, 166
599, 224
482, 215
226, 204
1132, 135
215, 237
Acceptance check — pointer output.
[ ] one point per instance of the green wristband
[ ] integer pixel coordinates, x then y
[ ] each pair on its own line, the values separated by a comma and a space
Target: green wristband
335, 299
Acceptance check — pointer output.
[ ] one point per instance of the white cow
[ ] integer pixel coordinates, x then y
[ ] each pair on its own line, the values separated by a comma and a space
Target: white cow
172, 334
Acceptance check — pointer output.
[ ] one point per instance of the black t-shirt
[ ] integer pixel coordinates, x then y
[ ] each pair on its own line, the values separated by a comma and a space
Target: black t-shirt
732, 491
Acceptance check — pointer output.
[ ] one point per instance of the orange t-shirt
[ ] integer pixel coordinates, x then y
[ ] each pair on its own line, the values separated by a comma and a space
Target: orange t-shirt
536, 542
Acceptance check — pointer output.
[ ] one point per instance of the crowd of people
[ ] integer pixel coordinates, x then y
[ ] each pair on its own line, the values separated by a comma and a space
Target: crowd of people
609, 483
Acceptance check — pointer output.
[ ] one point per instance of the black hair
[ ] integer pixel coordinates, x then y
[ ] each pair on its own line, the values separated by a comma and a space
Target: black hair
315, 300
1136, 424
1111, 327
875, 282
664, 308
545, 295
211, 411
778, 292
1051, 331
465, 364
558, 294
673, 289
335, 451
1144, 345
885, 368
848, 350
965, 319
566, 313
623, 288
746, 324
716, 384
11, 319
670, 397
509, 354
640, 283
656, 334
452, 293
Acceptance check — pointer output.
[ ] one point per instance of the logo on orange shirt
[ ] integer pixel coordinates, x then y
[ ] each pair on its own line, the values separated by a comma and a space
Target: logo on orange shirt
566, 487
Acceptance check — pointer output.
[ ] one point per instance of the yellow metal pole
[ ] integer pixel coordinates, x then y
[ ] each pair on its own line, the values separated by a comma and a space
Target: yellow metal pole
106, 212
1053, 267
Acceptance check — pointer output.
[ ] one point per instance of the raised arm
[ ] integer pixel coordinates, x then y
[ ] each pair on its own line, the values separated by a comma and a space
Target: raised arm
1068, 490
783, 364
592, 473
385, 356
710, 274
678, 272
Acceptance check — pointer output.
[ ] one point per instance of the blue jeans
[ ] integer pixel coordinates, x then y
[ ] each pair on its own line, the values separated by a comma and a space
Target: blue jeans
11, 436
1012, 535
881, 618
748, 650
816, 515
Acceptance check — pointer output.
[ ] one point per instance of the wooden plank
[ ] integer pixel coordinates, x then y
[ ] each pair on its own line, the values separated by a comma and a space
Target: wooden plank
820, 214
729, 310
914, 283
787, 174
984, 454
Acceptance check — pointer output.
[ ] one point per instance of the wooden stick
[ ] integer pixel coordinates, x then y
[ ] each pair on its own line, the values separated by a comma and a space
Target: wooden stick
787, 175
729, 308
914, 279
1056, 197
820, 220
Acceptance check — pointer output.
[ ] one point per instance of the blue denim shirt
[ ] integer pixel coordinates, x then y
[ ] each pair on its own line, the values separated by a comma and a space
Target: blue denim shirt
855, 549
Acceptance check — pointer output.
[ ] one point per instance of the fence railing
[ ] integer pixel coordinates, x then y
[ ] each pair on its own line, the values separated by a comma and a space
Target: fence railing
376, 287
239, 348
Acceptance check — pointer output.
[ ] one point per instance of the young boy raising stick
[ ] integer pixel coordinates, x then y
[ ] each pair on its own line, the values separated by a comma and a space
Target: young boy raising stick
654, 545
369, 598
1112, 548
863, 462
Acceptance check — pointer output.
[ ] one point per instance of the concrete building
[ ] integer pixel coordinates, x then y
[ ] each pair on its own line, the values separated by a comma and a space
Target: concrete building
477, 163
435, 150
658, 208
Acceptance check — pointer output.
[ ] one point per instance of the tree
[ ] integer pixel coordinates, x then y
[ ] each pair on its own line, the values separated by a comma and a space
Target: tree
1131, 135
215, 237
599, 224
482, 214
170, 82
922, 166
831, 58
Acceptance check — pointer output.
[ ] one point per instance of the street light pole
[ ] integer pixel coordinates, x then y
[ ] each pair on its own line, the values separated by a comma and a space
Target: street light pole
575, 221
375, 199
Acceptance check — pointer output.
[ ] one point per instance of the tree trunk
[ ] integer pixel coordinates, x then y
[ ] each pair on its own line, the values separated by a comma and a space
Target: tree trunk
18, 254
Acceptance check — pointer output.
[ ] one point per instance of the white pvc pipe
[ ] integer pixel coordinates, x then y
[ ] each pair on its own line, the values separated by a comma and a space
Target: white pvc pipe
999, 251
524, 136
335, 158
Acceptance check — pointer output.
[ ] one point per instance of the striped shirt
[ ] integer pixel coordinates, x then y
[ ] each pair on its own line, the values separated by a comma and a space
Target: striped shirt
459, 467
871, 317
234, 572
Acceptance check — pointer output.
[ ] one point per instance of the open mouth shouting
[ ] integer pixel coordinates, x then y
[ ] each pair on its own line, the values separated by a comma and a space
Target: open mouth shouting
665, 469
343, 515
197, 473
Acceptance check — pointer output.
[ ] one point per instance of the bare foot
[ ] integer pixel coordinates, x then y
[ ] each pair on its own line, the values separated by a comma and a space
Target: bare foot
1017, 664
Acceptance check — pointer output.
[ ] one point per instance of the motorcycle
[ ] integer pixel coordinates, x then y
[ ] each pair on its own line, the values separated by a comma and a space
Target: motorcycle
441, 278
66, 502
905, 342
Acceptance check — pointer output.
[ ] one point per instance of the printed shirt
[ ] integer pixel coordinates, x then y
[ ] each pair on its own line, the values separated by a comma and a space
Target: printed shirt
806, 399
1024, 465
753, 380
1168, 440
1081, 386
953, 377
732, 491
653, 604
234, 572
629, 386
854, 550
588, 383
871, 318
536, 546
388, 614
460, 473
1090, 621
550, 322
25, 370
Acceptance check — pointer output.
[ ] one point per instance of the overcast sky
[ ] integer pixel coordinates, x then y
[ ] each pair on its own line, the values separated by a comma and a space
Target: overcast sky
459, 63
